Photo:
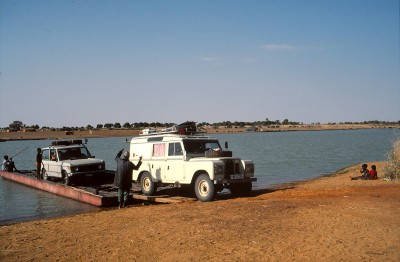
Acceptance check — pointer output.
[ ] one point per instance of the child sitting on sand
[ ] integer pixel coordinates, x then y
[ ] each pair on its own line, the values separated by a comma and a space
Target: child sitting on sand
372, 173
364, 171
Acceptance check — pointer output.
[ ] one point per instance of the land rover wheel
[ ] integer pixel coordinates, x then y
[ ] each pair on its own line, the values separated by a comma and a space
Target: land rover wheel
147, 185
204, 188
65, 178
243, 189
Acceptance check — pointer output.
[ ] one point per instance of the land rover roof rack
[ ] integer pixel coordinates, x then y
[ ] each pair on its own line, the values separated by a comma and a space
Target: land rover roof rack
186, 128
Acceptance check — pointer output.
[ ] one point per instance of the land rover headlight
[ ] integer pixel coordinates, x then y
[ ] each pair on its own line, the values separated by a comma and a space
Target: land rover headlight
100, 167
218, 169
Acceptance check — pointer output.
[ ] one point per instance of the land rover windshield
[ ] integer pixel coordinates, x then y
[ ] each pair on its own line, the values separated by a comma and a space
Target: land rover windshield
199, 147
73, 153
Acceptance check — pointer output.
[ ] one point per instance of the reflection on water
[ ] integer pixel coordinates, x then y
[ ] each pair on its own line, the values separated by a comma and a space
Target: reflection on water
279, 157
21, 203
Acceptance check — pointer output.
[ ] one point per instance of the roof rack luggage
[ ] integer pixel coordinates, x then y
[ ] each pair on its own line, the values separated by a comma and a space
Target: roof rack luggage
186, 128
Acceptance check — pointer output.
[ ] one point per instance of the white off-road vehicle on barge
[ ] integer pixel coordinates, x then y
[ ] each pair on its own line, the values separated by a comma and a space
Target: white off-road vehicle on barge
193, 161
69, 160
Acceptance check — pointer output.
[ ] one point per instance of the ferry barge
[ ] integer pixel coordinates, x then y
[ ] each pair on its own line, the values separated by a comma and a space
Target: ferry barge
102, 194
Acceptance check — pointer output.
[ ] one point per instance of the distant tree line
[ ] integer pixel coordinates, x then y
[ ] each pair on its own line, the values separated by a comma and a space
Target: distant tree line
18, 125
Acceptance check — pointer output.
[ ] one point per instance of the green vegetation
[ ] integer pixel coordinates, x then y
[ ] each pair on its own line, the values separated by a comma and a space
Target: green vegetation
392, 167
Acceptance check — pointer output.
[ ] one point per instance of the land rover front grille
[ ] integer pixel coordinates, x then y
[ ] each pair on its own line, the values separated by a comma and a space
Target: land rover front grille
88, 168
231, 168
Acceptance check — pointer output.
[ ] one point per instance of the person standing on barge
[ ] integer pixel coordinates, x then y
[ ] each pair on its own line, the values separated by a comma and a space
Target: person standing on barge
123, 176
39, 163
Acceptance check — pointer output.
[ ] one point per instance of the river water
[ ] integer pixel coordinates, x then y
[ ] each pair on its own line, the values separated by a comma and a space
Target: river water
279, 157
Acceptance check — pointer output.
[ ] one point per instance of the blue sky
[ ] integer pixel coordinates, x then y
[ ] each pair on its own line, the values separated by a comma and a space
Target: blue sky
74, 63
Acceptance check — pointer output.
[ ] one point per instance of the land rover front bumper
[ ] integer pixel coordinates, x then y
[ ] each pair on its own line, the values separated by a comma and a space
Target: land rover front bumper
225, 181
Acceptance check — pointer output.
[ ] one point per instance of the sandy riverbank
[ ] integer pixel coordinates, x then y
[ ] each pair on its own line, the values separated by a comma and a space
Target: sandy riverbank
325, 219
42, 134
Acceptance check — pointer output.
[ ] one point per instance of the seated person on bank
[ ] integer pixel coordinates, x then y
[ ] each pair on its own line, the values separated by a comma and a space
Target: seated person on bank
364, 171
373, 174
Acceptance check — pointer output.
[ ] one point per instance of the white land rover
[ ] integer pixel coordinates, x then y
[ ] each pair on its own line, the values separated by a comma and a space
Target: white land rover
69, 159
195, 161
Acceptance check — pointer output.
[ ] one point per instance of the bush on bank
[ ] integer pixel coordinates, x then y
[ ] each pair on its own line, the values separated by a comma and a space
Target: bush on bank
392, 167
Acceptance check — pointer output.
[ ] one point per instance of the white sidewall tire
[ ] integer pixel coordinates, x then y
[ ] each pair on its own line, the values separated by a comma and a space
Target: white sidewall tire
204, 188
147, 185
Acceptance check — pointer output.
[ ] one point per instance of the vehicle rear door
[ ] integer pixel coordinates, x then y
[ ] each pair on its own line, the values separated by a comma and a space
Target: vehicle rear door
174, 165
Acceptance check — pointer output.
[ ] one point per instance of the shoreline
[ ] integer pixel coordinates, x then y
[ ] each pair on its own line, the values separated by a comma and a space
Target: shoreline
102, 133
175, 192
224, 196
356, 217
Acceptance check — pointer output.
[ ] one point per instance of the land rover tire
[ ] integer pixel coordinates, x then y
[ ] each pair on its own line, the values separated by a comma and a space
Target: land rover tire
204, 188
147, 186
243, 189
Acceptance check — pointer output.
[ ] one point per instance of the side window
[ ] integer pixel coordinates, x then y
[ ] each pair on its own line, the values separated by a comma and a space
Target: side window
175, 149
63, 154
46, 155
171, 149
158, 150
178, 149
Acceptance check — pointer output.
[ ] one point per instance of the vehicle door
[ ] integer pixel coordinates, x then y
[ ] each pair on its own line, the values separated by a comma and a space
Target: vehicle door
157, 165
46, 159
54, 164
174, 165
